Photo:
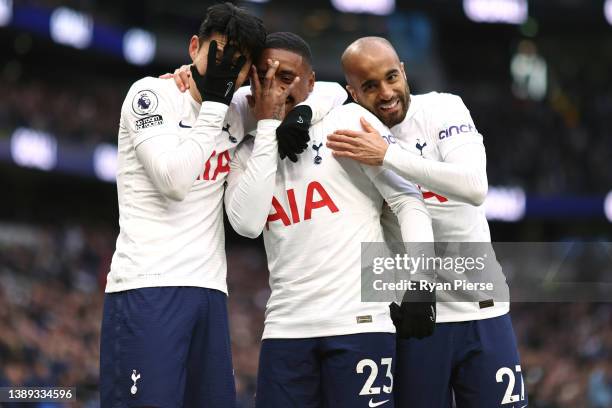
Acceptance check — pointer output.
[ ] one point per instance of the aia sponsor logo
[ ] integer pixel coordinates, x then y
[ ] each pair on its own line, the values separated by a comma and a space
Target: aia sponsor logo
432, 195
317, 198
217, 164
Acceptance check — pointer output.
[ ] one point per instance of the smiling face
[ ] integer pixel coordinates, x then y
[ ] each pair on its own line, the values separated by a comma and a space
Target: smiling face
290, 65
377, 81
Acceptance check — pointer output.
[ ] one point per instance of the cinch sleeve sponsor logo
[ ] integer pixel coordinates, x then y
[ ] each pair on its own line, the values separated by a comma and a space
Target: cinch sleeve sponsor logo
390, 139
455, 130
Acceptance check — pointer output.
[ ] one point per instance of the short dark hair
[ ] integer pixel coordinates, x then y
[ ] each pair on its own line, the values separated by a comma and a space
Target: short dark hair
241, 28
284, 40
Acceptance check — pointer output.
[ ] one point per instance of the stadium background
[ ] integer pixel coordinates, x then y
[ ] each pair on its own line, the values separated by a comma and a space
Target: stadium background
536, 77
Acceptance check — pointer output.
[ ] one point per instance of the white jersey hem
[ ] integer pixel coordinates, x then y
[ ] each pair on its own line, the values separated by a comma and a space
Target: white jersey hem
302, 333
497, 311
164, 282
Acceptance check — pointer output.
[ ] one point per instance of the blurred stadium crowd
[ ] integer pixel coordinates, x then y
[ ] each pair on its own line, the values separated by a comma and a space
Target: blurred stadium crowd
545, 147
51, 283
74, 114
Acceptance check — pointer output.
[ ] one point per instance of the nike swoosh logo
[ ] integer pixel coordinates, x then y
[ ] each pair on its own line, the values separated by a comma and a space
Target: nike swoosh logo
229, 88
373, 404
300, 120
183, 126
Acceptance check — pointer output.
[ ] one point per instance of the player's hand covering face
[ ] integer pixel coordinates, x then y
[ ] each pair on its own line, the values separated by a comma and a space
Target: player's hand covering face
268, 95
219, 81
290, 65
292, 134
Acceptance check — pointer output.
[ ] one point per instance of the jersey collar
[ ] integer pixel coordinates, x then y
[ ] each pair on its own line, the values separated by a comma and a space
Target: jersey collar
412, 109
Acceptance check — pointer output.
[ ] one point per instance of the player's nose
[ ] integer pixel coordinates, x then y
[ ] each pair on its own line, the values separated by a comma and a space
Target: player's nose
386, 92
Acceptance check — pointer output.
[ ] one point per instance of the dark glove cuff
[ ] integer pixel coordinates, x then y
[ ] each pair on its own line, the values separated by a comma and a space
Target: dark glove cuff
214, 97
303, 111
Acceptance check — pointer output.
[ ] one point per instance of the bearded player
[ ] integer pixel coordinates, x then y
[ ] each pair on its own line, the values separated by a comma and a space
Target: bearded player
472, 353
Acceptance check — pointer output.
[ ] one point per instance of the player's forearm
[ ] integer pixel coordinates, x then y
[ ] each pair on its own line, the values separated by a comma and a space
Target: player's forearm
248, 201
462, 177
172, 167
417, 233
414, 219
207, 126
172, 171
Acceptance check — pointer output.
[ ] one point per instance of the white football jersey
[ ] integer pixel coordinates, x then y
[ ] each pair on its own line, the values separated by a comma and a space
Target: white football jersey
436, 124
164, 242
323, 208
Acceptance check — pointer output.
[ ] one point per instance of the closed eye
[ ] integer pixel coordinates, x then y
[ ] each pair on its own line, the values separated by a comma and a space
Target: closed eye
287, 78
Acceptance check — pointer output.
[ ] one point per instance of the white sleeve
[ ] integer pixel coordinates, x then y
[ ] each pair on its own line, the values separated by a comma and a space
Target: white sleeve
461, 176
324, 97
452, 125
251, 181
174, 164
406, 202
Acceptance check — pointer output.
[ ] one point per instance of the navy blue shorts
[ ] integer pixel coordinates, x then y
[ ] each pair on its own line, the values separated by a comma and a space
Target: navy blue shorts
350, 371
166, 347
476, 361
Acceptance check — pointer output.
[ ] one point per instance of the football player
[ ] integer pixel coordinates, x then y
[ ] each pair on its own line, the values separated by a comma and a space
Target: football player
322, 346
472, 353
165, 337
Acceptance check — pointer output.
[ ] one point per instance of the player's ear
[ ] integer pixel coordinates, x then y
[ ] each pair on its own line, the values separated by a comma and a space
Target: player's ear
404, 71
194, 46
311, 81
351, 92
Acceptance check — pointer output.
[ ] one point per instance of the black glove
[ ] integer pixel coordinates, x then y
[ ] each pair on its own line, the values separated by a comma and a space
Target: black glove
292, 133
219, 82
416, 318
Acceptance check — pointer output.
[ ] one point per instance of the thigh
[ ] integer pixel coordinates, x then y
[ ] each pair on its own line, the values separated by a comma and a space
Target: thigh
210, 377
424, 369
490, 376
289, 374
357, 370
144, 342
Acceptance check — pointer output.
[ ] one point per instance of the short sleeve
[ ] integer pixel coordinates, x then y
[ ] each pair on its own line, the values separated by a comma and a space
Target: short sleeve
148, 110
